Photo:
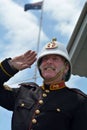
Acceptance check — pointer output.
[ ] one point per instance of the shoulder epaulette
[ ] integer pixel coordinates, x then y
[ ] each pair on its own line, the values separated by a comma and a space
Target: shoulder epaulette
6, 87
78, 91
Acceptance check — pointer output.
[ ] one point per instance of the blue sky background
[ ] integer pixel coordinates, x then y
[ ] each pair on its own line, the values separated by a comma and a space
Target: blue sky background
19, 32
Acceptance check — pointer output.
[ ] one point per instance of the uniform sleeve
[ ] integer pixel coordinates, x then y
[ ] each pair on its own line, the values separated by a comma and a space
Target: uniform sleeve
7, 99
6, 71
79, 121
7, 96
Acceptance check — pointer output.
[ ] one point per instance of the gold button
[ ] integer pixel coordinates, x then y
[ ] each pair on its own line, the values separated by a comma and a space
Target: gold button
47, 91
22, 105
40, 101
34, 121
37, 111
44, 95
58, 109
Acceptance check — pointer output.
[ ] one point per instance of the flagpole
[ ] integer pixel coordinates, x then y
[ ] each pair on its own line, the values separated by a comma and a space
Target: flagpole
38, 40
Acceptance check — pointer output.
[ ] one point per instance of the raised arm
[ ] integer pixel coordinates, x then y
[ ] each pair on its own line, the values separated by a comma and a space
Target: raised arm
23, 61
8, 68
11, 66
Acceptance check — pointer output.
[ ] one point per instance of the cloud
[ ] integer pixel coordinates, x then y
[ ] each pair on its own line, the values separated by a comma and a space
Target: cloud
21, 28
77, 82
65, 13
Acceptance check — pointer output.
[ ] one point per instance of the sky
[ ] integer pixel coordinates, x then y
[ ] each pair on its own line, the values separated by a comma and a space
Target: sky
21, 31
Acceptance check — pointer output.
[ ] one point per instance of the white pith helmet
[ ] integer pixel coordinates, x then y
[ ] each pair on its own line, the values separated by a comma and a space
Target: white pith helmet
57, 48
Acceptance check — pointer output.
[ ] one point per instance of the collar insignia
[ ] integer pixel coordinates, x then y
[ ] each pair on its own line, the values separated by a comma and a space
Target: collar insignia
54, 86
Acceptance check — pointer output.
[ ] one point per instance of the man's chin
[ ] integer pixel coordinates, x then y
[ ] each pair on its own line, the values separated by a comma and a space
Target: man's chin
47, 77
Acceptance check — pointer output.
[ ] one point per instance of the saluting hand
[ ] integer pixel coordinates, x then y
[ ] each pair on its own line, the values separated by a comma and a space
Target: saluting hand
24, 61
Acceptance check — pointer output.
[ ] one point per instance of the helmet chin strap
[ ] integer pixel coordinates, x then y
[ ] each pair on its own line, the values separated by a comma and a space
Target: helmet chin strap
47, 81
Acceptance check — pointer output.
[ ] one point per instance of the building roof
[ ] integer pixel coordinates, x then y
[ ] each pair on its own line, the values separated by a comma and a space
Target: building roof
77, 46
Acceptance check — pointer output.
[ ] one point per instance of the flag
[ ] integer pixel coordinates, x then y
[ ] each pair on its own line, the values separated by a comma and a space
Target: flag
36, 6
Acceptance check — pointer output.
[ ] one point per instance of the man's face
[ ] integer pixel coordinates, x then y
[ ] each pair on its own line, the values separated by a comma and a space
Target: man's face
51, 65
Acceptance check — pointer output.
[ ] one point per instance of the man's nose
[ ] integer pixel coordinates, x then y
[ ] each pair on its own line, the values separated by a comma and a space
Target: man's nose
49, 60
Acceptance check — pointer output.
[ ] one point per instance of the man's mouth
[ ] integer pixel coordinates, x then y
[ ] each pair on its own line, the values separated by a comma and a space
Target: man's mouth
49, 68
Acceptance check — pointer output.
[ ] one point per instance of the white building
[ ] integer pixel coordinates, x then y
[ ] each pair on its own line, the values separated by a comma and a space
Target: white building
77, 46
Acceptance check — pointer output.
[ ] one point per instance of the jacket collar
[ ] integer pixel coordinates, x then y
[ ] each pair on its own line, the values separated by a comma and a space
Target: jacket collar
54, 86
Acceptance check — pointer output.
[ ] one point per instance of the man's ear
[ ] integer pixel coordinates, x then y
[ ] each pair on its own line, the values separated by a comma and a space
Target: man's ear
66, 68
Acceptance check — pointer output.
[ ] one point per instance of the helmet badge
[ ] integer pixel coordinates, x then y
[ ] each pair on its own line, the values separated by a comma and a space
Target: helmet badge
51, 45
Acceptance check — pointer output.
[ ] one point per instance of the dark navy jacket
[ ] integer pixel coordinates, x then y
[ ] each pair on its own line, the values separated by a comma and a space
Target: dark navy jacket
37, 109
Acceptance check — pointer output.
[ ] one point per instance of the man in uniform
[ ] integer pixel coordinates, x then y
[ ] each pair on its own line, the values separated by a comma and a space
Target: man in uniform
52, 106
